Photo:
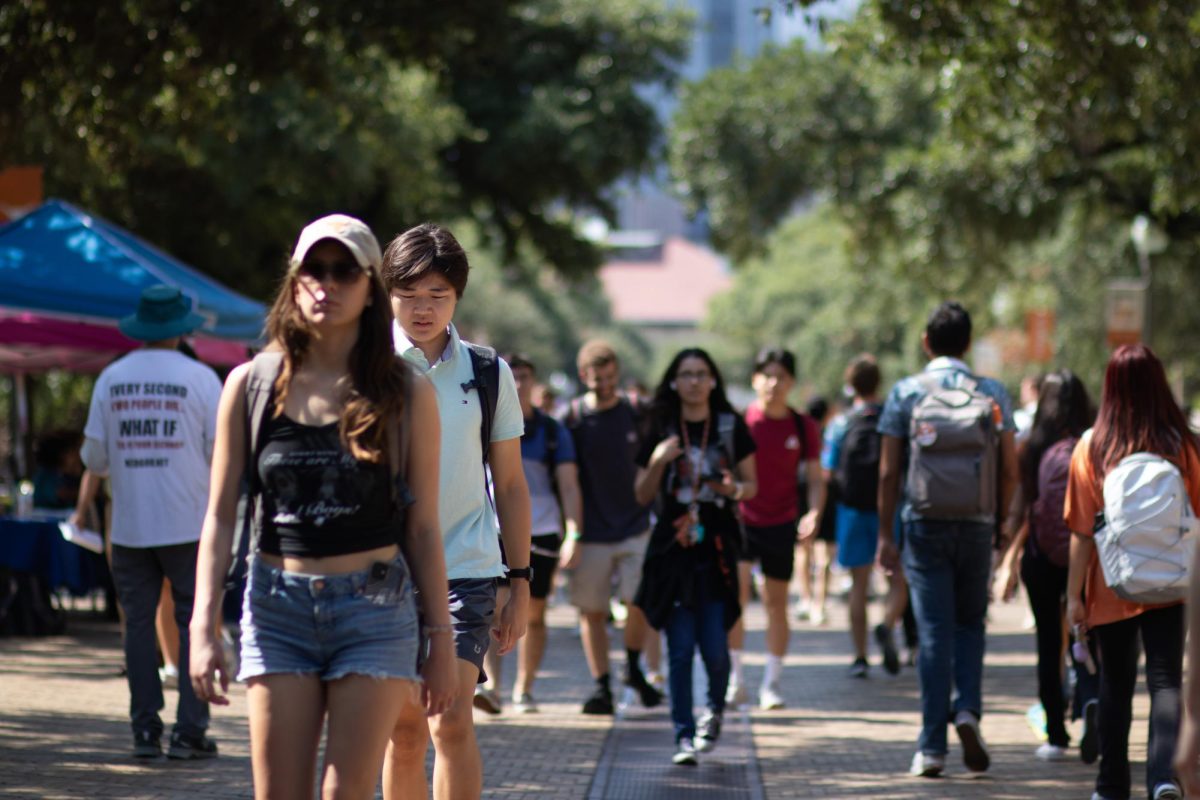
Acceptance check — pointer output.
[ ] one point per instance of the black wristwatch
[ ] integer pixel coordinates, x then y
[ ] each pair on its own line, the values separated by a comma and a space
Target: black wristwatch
525, 573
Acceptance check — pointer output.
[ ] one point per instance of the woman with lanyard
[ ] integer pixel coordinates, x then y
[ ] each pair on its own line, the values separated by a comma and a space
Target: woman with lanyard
698, 461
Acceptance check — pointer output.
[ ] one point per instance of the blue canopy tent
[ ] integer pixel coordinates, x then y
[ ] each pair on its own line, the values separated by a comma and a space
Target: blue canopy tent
63, 262
67, 277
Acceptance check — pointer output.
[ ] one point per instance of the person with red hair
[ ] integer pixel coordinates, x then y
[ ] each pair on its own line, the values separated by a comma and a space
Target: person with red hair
1138, 414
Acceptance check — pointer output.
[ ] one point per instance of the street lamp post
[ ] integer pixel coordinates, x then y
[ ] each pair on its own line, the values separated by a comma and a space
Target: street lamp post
1147, 240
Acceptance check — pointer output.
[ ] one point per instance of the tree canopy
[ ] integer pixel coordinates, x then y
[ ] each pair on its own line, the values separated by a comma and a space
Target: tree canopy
992, 151
217, 129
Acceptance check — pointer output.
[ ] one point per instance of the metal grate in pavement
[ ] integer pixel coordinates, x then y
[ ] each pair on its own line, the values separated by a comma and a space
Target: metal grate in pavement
636, 762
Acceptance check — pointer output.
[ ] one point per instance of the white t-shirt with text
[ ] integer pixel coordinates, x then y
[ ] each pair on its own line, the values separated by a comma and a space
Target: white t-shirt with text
154, 413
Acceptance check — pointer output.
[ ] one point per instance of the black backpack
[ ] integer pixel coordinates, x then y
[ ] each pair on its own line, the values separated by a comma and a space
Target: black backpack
485, 369
857, 473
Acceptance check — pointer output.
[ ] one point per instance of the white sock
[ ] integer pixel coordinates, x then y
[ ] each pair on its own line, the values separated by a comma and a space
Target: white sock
735, 668
773, 671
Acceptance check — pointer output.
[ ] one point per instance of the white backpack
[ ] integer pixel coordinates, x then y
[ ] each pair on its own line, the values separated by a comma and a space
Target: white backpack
1147, 533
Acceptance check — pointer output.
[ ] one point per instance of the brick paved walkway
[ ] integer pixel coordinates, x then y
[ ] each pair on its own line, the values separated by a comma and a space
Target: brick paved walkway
64, 731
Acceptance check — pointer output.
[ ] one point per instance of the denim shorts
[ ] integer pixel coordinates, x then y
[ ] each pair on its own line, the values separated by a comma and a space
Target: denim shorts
331, 626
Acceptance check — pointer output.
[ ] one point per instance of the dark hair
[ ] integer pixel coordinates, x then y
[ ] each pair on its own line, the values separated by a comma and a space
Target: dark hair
1138, 413
775, 355
520, 361
596, 353
817, 408
862, 373
1064, 409
379, 379
425, 250
665, 406
54, 445
949, 330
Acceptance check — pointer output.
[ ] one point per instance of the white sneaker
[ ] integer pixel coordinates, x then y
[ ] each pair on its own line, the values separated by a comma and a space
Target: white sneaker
685, 754
1051, 752
736, 696
1167, 791
487, 700
817, 616
769, 698
169, 676
524, 703
927, 765
975, 754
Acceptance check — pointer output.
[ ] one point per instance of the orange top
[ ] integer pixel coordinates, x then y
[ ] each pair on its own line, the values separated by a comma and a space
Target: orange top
1085, 498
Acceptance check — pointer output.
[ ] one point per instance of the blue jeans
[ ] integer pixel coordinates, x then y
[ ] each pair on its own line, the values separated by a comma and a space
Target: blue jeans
948, 564
138, 573
687, 628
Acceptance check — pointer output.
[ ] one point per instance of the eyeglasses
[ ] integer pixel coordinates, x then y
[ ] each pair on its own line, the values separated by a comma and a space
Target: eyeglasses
693, 376
340, 271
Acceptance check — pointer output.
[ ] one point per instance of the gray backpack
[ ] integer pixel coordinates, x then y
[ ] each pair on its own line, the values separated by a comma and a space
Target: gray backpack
953, 451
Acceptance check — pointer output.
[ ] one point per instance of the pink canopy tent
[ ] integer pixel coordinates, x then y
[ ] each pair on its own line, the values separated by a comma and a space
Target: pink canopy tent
33, 343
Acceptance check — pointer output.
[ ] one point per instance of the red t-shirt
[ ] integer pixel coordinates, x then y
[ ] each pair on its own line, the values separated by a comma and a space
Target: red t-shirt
778, 460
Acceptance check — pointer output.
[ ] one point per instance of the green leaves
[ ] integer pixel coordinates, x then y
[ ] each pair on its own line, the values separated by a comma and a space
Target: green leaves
217, 129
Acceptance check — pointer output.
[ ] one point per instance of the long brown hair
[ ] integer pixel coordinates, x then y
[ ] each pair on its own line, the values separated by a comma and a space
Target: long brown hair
378, 378
1138, 413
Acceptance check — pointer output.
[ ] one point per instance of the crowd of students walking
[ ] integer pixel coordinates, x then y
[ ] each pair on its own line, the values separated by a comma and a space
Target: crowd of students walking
397, 506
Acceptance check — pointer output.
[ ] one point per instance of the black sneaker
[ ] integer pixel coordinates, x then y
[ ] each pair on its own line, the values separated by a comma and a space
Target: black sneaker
649, 696
146, 745
887, 645
1089, 744
187, 748
708, 731
601, 701
859, 668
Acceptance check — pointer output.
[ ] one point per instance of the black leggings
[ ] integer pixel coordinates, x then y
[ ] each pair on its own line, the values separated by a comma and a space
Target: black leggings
1046, 584
1161, 631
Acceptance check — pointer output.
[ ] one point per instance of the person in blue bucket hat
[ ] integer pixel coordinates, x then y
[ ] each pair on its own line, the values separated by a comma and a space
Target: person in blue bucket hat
163, 312
150, 429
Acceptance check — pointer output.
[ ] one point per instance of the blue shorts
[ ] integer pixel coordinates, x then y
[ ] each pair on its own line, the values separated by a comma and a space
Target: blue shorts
331, 626
473, 613
857, 536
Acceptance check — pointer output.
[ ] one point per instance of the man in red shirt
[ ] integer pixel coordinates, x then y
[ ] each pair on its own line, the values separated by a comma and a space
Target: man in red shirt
787, 442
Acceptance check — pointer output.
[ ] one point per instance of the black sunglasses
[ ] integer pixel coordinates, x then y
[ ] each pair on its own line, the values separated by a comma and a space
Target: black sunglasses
341, 271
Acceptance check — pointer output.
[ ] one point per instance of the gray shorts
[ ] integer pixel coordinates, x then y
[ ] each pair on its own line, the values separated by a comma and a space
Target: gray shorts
473, 612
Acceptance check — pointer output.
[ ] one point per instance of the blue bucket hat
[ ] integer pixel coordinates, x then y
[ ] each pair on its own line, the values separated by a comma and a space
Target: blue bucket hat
163, 313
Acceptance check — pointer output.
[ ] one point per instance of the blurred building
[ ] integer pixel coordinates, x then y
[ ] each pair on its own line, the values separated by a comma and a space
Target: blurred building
661, 272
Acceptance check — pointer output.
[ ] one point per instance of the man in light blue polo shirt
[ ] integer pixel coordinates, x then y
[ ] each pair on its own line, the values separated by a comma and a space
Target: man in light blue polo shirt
425, 271
947, 557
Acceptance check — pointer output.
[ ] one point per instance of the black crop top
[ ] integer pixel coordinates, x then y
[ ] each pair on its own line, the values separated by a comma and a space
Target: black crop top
317, 499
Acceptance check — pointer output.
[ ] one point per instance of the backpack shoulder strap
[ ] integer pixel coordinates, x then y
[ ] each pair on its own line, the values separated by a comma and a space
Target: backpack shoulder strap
800, 422
260, 388
485, 370
725, 425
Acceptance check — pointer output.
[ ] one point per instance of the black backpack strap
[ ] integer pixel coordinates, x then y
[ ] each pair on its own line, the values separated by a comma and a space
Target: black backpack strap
800, 422
260, 389
549, 449
485, 371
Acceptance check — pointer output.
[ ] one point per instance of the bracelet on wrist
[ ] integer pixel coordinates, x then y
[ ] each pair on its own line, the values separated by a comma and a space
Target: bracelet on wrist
573, 535
431, 630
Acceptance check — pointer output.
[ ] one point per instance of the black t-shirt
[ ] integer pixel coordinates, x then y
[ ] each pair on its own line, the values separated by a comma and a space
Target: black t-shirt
717, 512
605, 445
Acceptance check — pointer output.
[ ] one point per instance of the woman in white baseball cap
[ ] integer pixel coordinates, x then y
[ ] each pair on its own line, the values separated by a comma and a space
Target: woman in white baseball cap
343, 476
